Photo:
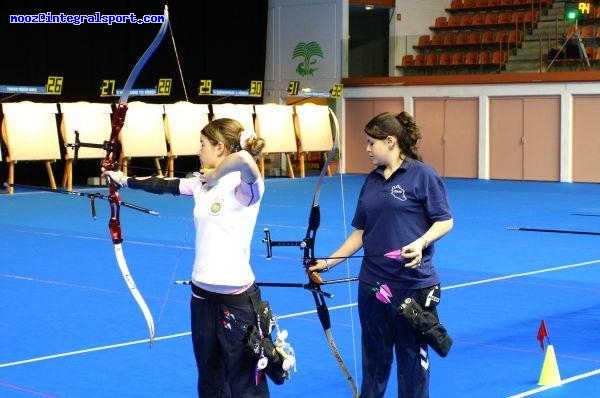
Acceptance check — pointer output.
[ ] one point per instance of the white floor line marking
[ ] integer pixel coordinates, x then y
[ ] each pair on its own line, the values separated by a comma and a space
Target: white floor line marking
29, 391
106, 347
337, 307
564, 381
541, 271
146, 341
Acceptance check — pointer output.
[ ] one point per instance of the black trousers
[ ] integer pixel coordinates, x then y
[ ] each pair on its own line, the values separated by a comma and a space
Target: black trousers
384, 333
225, 369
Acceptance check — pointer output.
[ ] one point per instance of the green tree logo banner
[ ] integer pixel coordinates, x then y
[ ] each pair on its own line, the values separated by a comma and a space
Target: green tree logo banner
307, 51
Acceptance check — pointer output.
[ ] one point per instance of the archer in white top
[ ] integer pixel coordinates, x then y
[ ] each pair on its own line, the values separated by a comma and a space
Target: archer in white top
227, 194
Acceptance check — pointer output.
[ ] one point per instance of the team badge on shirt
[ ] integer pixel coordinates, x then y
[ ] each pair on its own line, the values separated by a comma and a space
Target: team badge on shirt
398, 192
215, 207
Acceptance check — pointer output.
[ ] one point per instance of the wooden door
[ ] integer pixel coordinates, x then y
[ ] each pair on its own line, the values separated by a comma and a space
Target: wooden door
461, 138
541, 145
449, 127
358, 113
506, 135
586, 138
430, 116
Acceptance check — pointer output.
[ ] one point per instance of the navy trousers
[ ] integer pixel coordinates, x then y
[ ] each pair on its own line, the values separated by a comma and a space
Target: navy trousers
225, 369
385, 333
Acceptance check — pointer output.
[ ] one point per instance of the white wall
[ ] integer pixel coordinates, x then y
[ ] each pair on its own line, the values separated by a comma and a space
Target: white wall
417, 16
295, 21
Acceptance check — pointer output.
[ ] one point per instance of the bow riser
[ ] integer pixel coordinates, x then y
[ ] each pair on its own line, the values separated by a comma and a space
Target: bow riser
113, 145
314, 221
114, 224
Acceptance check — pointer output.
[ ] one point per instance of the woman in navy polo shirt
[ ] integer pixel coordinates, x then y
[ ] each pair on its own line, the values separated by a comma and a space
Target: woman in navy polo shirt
402, 205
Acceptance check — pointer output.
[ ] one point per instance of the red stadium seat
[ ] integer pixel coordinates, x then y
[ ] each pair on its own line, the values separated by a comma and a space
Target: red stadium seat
441, 22
445, 59
471, 58
458, 58
461, 39
408, 60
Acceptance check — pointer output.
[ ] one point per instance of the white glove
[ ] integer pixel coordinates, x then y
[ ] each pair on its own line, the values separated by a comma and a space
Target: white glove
117, 177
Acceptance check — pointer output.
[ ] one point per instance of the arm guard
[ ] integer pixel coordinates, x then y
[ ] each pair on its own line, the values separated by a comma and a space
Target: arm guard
155, 185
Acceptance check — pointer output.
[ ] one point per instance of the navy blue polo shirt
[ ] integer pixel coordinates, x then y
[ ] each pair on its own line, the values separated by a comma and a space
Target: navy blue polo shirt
394, 213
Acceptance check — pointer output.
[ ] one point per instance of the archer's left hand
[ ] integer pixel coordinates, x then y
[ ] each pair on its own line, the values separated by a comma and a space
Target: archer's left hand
319, 266
116, 177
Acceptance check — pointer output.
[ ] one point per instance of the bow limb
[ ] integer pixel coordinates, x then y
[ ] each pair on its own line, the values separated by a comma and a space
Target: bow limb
309, 259
134, 290
144, 58
110, 162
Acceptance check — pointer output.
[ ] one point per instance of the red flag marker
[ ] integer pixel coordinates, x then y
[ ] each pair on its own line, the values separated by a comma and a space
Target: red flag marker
542, 332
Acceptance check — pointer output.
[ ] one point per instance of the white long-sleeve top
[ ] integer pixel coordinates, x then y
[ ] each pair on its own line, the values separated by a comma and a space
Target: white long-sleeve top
224, 229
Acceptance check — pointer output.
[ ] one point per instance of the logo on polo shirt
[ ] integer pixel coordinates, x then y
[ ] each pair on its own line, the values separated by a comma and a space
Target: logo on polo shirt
398, 192
215, 207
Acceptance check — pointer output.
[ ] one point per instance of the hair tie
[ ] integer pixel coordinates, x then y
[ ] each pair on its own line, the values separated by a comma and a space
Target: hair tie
245, 136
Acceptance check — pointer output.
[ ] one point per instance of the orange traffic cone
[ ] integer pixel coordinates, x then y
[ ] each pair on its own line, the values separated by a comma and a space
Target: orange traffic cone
550, 375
